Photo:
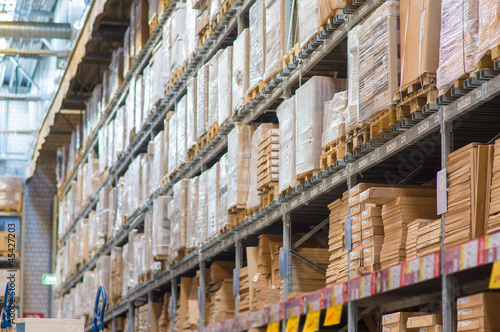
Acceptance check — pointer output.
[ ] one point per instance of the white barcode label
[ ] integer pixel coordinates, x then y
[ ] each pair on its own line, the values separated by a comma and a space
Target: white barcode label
462, 312
464, 323
463, 300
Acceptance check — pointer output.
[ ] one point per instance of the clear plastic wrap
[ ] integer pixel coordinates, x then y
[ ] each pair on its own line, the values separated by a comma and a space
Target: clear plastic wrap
139, 257
191, 135
141, 98
353, 82
310, 99
116, 70
201, 234
131, 259
215, 7
190, 33
101, 229
458, 42
178, 22
119, 133
286, 118
109, 146
334, 118
112, 211
181, 131
253, 194
275, 36
145, 171
161, 227
223, 213
213, 90
180, 214
158, 90
92, 231
309, 20
172, 144
125, 276
102, 148
158, 168
378, 61
105, 91
192, 219
202, 101
257, 43
88, 288
213, 201
238, 160
147, 94
126, 51
104, 273
224, 85
167, 48
116, 273
241, 69
119, 205
133, 179
130, 116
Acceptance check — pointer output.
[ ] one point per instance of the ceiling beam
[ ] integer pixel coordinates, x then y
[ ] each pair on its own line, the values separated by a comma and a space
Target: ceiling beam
33, 53
23, 97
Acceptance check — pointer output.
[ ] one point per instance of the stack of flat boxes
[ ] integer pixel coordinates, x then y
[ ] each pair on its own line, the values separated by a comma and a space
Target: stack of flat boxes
494, 211
425, 323
220, 288
478, 312
396, 322
424, 237
337, 269
268, 160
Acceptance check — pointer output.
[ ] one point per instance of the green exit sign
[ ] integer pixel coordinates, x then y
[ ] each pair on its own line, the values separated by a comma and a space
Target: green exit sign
49, 279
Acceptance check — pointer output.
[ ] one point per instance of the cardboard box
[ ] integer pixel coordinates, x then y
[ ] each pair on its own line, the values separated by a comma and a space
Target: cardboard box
485, 299
479, 323
435, 328
423, 321
394, 327
420, 28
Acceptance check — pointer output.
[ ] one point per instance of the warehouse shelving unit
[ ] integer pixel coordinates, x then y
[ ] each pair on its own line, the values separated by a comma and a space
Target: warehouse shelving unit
430, 136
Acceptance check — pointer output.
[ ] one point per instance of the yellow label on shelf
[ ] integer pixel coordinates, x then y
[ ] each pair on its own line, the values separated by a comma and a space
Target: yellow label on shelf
312, 322
292, 325
462, 256
486, 242
495, 276
333, 315
273, 327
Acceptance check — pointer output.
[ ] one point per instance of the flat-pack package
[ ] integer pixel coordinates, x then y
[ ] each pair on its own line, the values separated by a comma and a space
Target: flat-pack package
202, 101
257, 43
275, 37
241, 69
286, 117
379, 64
191, 134
334, 118
224, 85
172, 144
213, 201
161, 227
213, 90
238, 160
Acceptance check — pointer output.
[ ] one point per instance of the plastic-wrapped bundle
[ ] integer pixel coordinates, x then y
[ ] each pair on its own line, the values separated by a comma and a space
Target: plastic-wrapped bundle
106, 91
172, 144
140, 100
160, 228
213, 87
190, 33
309, 20
275, 36
130, 115
224, 84
112, 211
89, 288
102, 147
192, 219
145, 171
253, 194
77, 257
213, 201
458, 42
191, 135
92, 231
180, 214
118, 133
178, 22
241, 69
201, 235
158, 169
101, 229
202, 101
167, 46
147, 92
126, 51
378, 61
257, 43
109, 146
131, 260
238, 161
310, 99
214, 9
119, 205
286, 117
157, 80
134, 176
125, 277
116, 273
181, 131
489, 28
116, 70
334, 117
103, 267
139, 257
223, 214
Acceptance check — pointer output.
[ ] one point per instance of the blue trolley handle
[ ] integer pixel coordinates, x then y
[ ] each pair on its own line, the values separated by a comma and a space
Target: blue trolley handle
99, 315
8, 302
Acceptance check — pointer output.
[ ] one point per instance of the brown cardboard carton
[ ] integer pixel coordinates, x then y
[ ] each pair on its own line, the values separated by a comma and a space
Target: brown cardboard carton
486, 299
423, 321
420, 27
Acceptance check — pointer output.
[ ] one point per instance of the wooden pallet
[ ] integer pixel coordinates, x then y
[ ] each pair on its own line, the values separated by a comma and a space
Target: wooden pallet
175, 77
192, 152
292, 53
269, 194
413, 96
254, 92
333, 152
286, 191
223, 230
357, 137
115, 301
165, 180
236, 215
153, 24
331, 17
212, 132
382, 122
306, 176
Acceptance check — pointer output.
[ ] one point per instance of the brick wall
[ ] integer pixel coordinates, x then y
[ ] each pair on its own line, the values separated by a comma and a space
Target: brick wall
40, 191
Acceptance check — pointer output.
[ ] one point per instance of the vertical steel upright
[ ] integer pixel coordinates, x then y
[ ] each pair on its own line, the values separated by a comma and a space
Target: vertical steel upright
203, 290
287, 245
238, 259
131, 316
173, 303
352, 308
447, 282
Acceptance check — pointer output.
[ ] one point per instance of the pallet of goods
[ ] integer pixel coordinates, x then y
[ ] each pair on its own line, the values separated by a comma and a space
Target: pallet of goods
478, 312
333, 140
220, 288
494, 201
396, 322
337, 269
424, 237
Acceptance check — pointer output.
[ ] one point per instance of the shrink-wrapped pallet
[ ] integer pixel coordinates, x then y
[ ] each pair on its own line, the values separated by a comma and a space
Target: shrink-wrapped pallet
257, 43
126, 51
309, 20
241, 69
253, 199
116, 273
202, 101
103, 273
119, 205
133, 180
238, 161
160, 228
181, 131
119, 133
180, 214
213, 90
102, 149
109, 146
286, 118
223, 214
142, 89
159, 168
192, 219
144, 176
125, 274
201, 234
310, 99
112, 197
190, 37
275, 37
167, 48
147, 93
116, 70
213, 201
157, 80
151, 265
224, 85
458, 42
191, 134
133, 269
172, 144
378, 61
488, 29
178, 29
334, 118
140, 24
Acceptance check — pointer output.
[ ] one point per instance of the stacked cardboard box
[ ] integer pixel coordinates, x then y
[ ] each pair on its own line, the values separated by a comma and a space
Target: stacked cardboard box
286, 117
425, 323
478, 312
268, 160
147, 316
469, 176
182, 303
494, 209
164, 319
192, 313
396, 322
337, 269
220, 287
424, 236
247, 274
116, 277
